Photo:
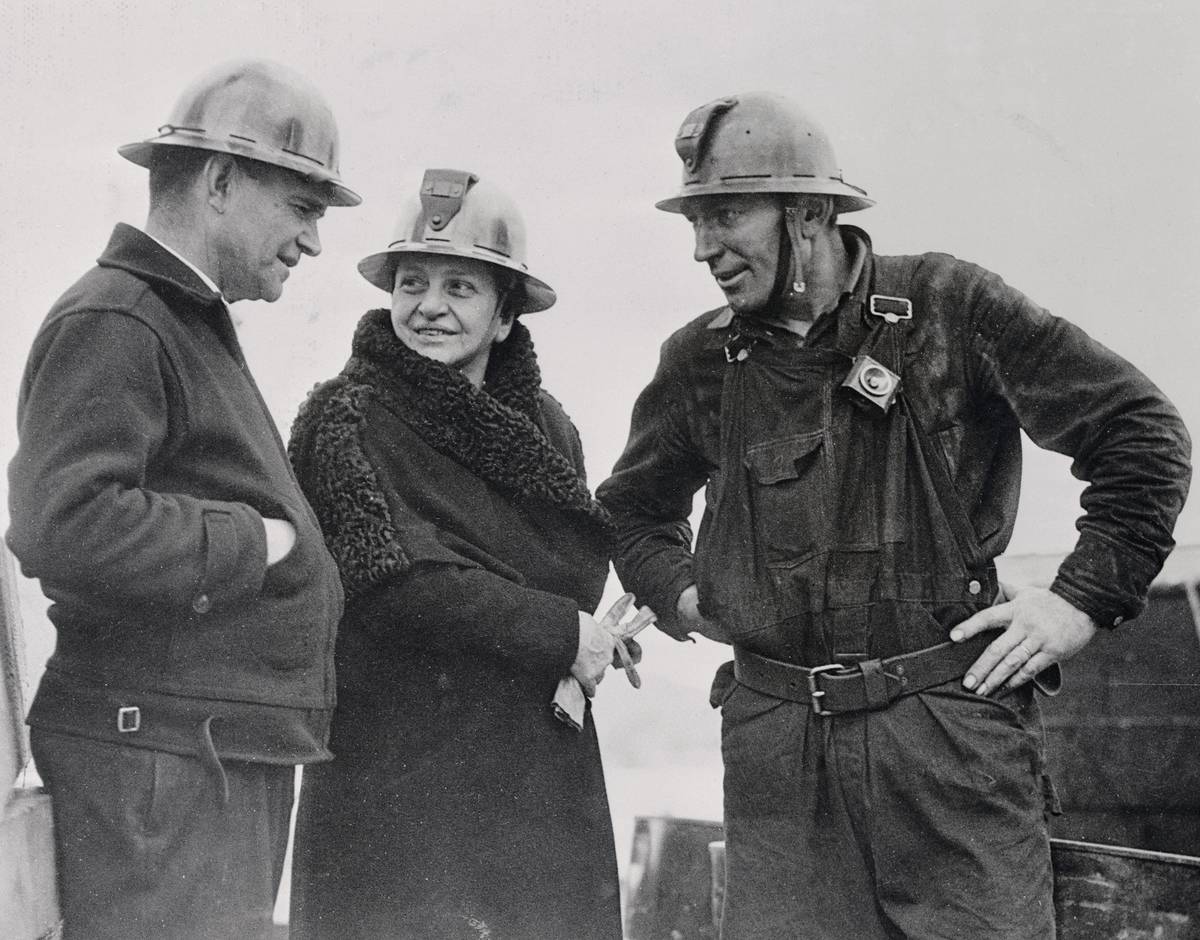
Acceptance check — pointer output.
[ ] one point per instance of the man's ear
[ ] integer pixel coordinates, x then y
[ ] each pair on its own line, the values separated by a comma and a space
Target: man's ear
814, 213
220, 179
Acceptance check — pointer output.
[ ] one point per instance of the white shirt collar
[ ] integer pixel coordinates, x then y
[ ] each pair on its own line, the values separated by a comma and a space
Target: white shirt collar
208, 281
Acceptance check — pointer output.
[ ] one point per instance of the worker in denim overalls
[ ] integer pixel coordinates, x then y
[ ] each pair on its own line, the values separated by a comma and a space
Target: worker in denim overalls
855, 420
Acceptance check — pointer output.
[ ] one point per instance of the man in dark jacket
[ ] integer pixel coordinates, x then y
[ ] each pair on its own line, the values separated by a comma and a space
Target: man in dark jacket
193, 597
855, 420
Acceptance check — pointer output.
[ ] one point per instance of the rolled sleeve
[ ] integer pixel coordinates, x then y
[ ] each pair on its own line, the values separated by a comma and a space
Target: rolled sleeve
1104, 581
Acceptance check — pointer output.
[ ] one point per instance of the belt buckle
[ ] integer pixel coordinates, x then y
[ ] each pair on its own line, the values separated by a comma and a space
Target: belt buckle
129, 719
814, 692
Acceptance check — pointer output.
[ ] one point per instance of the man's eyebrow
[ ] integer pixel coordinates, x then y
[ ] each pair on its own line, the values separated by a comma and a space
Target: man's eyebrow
312, 203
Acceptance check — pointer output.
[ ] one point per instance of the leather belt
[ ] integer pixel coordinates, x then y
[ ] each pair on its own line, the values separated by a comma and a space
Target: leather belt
836, 688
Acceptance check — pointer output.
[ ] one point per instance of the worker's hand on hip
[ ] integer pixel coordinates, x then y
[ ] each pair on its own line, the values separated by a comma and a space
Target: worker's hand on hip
595, 653
1040, 629
687, 609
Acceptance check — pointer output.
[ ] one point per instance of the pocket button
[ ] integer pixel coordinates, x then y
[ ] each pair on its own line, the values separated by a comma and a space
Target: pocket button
202, 604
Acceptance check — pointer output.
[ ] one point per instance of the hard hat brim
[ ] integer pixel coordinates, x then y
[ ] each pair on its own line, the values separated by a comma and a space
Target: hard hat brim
847, 198
380, 270
142, 153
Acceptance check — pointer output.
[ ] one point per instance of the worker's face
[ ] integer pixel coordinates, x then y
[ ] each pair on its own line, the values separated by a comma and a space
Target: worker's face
737, 236
269, 221
448, 309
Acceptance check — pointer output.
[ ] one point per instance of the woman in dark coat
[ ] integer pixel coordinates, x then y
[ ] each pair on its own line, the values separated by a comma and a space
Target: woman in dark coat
450, 490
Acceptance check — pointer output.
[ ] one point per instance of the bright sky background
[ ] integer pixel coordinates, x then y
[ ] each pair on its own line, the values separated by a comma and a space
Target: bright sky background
1057, 144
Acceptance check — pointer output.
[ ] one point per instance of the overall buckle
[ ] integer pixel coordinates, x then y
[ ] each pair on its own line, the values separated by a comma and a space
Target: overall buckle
892, 309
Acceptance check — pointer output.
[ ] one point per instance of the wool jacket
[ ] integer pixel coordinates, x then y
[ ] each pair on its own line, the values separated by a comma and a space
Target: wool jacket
468, 543
147, 462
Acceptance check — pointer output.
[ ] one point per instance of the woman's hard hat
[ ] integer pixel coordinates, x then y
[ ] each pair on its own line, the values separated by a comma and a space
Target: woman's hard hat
456, 213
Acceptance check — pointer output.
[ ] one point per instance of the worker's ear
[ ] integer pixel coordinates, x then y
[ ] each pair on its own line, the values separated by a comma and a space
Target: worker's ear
814, 213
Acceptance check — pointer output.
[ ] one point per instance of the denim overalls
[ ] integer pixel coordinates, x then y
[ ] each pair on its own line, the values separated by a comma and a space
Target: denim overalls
834, 535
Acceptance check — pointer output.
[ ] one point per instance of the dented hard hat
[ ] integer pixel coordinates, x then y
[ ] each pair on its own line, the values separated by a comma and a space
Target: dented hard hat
259, 110
758, 143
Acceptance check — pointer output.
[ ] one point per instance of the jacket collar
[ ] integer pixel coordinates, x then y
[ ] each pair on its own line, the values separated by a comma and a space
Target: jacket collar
130, 249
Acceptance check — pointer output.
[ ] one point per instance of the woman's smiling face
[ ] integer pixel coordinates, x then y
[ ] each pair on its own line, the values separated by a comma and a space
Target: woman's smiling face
448, 309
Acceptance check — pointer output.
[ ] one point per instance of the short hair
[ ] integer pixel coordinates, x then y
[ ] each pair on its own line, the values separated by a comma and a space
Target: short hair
511, 289
173, 169
806, 200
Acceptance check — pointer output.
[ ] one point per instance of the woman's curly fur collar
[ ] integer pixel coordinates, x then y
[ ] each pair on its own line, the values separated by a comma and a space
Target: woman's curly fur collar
491, 431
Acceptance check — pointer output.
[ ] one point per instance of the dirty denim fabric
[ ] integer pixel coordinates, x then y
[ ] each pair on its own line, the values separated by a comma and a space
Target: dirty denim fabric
835, 532
922, 821
146, 849
982, 363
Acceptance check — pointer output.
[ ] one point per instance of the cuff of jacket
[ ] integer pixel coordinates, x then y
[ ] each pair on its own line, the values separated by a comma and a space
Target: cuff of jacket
560, 647
665, 603
1106, 581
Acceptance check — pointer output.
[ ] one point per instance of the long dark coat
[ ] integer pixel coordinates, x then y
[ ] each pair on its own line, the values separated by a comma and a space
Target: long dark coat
457, 805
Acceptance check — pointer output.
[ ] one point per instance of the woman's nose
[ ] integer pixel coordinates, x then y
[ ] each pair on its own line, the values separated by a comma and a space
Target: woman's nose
433, 303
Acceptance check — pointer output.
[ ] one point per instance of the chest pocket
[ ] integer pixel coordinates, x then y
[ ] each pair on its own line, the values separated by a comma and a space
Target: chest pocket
789, 492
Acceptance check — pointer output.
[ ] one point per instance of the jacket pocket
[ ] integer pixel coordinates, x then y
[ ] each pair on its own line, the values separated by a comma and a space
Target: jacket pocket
286, 575
294, 601
788, 481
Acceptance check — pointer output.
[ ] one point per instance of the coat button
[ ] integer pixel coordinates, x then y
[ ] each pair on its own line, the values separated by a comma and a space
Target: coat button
974, 587
1117, 621
202, 604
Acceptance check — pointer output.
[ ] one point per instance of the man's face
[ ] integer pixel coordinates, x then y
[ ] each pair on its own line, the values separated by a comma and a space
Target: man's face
737, 236
270, 220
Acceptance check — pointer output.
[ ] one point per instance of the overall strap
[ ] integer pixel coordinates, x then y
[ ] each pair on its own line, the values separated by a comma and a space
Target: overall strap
890, 313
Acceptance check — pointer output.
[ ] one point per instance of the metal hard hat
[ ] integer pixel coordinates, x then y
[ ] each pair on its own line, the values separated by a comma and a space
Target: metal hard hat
758, 143
260, 110
458, 214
